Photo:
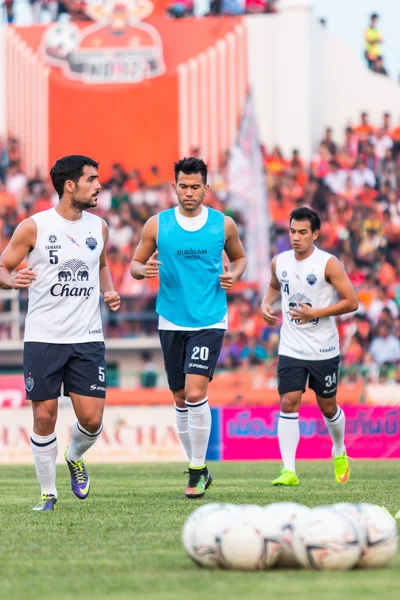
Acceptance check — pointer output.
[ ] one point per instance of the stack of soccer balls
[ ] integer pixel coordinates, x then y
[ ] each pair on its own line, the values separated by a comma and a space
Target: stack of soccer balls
285, 534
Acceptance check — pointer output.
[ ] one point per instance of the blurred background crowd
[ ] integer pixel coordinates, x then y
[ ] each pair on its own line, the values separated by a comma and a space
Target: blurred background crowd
353, 182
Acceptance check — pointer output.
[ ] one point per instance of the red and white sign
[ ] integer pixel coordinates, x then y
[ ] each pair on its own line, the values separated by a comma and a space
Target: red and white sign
130, 434
12, 391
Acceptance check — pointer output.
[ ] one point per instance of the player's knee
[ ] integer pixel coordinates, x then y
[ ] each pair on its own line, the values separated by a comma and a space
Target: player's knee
195, 395
328, 407
179, 398
44, 419
91, 423
290, 404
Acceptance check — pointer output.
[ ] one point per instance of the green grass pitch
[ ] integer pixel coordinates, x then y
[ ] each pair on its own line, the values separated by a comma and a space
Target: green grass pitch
124, 541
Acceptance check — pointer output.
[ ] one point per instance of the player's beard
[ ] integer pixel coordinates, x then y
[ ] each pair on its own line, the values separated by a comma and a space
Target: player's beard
80, 204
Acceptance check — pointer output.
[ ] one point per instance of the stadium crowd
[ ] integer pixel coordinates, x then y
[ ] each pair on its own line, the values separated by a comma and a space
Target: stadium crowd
353, 184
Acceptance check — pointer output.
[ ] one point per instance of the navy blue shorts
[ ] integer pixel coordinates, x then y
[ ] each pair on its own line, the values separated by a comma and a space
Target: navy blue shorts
322, 375
194, 352
80, 367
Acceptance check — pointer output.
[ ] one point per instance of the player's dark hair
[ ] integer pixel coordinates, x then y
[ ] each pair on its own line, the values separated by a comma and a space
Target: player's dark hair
69, 168
306, 214
189, 166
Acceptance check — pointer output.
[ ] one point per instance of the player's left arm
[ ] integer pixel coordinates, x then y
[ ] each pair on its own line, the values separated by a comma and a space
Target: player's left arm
338, 278
111, 297
235, 252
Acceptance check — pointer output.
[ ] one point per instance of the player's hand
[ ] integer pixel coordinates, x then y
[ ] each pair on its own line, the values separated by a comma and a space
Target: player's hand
268, 314
227, 279
151, 268
305, 313
23, 279
113, 300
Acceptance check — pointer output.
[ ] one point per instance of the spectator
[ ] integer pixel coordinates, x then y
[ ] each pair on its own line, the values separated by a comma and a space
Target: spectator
373, 40
15, 179
148, 374
253, 353
378, 66
364, 130
361, 175
385, 348
382, 301
328, 141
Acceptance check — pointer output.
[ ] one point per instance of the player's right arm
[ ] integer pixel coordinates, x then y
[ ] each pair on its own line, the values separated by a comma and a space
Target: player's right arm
272, 295
21, 243
144, 262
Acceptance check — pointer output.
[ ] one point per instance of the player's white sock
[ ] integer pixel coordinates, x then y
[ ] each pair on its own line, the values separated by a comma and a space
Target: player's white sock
199, 431
81, 440
336, 427
44, 450
288, 436
182, 425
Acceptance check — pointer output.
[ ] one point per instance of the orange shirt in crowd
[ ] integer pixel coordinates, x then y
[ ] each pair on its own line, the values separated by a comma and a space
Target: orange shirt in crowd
368, 195
364, 131
275, 165
395, 134
7, 199
280, 211
302, 178
386, 275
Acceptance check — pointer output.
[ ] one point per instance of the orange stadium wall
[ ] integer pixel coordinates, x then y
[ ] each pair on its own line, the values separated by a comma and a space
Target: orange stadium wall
138, 124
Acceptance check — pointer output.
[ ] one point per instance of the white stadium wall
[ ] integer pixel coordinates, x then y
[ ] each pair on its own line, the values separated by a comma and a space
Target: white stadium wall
304, 79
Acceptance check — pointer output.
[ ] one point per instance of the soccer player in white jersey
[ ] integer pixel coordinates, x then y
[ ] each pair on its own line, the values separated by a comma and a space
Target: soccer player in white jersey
63, 342
184, 245
314, 289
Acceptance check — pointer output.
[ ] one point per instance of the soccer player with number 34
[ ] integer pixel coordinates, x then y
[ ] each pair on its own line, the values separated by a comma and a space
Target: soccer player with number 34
307, 280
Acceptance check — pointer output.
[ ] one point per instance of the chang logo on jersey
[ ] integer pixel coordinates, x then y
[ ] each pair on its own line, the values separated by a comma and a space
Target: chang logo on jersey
191, 252
296, 301
70, 272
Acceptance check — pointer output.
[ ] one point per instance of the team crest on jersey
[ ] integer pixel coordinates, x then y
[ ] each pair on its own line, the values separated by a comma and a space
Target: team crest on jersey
52, 239
311, 278
284, 273
91, 242
29, 383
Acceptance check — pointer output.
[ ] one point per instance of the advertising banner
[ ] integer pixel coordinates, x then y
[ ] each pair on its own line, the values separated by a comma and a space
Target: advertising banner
12, 391
252, 433
130, 434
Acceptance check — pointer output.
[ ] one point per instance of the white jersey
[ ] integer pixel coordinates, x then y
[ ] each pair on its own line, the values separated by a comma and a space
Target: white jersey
63, 305
304, 281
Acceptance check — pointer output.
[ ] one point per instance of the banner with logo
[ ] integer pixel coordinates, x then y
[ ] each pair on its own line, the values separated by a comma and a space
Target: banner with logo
252, 433
130, 434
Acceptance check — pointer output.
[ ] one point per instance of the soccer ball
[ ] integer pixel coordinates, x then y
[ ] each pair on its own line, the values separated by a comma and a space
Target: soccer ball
325, 539
202, 530
380, 536
258, 518
286, 515
241, 546
61, 39
190, 525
